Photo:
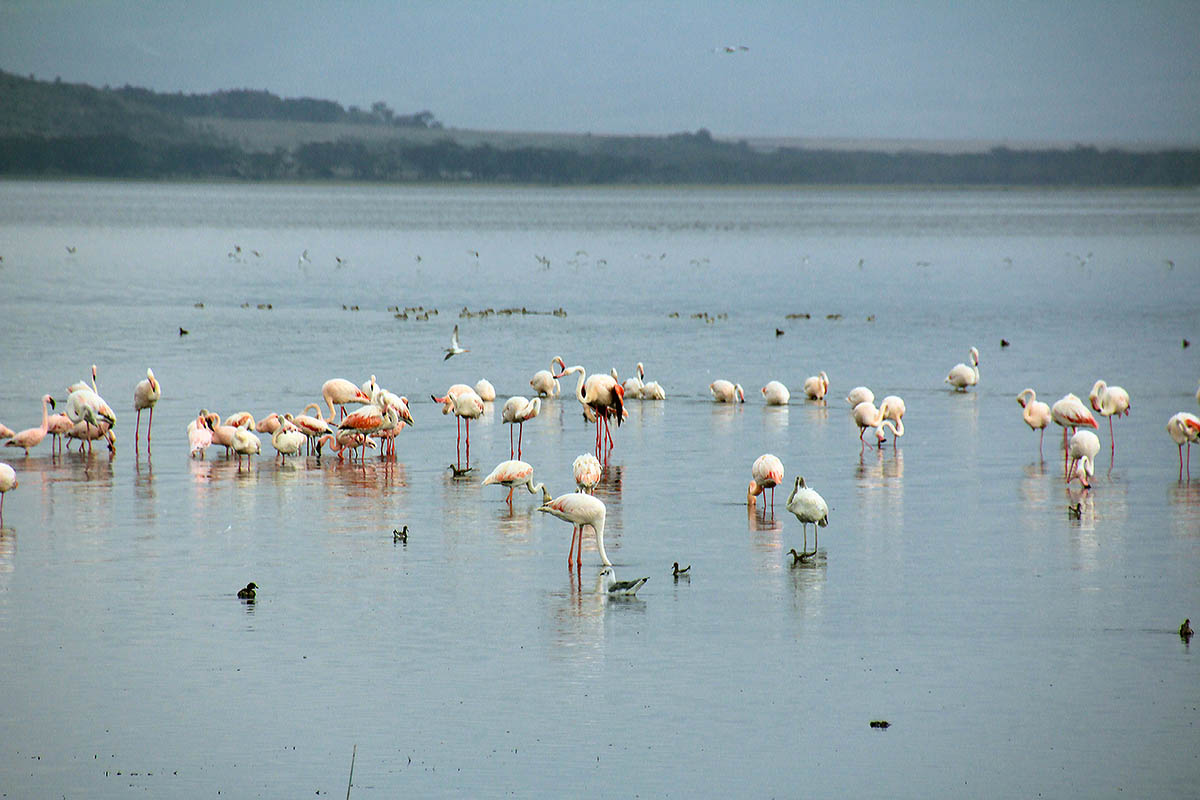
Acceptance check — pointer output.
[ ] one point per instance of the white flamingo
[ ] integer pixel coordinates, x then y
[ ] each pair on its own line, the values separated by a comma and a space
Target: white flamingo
581, 510
724, 391
810, 508
962, 376
1035, 413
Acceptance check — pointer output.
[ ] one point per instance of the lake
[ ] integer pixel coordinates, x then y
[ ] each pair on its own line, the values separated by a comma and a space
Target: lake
1015, 650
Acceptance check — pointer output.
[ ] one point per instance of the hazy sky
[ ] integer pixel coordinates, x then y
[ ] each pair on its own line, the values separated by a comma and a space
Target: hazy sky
1022, 71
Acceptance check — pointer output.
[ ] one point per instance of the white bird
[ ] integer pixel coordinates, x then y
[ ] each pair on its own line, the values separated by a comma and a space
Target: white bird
653, 391
633, 386
245, 444
611, 586
1070, 412
287, 441
961, 376
587, 471
145, 395
776, 394
1084, 469
765, 473
1084, 444
860, 394
517, 411
8, 482
485, 390
893, 408
866, 415
1184, 428
724, 391
454, 348
809, 507
515, 473
816, 386
1036, 414
581, 510
544, 383
1110, 401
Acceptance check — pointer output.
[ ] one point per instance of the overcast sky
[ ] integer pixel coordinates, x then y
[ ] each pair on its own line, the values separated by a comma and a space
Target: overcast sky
1021, 71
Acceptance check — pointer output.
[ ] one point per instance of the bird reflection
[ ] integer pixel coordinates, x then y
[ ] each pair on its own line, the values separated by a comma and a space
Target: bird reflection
808, 585
762, 520
8, 550
775, 418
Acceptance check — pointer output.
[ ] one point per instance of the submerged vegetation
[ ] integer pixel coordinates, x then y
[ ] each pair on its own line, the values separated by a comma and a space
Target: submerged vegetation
61, 129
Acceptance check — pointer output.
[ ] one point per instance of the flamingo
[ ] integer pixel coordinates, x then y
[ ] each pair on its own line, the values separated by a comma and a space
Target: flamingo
580, 510
86, 405
765, 473
222, 434
145, 395
586, 470
339, 391
724, 391
609, 584
633, 386
344, 440
1109, 401
369, 419
776, 394
816, 386
1084, 469
517, 411
1070, 412
809, 507
860, 394
287, 441
866, 415
544, 382
241, 419
1084, 444
1184, 428
199, 435
653, 391
1036, 414
32, 437
485, 390
893, 408
462, 401
961, 376
58, 425
268, 424
313, 427
6, 432
245, 444
8, 482
515, 473
601, 397
86, 432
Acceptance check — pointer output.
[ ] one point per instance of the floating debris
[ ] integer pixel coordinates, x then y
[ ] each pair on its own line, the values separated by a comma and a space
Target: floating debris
798, 316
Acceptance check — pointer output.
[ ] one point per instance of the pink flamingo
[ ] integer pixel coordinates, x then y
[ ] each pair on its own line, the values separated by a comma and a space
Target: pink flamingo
1070, 412
816, 386
776, 394
1184, 428
8, 482
145, 395
1036, 414
240, 419
866, 415
517, 411
313, 427
268, 424
344, 440
601, 397
287, 441
544, 382
199, 435
514, 473
339, 391
587, 471
365, 420
461, 401
86, 432
58, 426
580, 510
6, 432
32, 437
724, 391
765, 473
1110, 401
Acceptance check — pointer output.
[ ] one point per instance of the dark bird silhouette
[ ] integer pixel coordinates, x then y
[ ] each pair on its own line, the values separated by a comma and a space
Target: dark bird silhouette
880, 723
400, 536
778, 332
460, 472
677, 570
183, 332
1004, 342
248, 592
1185, 630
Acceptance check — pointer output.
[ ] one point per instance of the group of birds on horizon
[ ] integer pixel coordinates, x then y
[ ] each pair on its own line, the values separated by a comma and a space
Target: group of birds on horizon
382, 414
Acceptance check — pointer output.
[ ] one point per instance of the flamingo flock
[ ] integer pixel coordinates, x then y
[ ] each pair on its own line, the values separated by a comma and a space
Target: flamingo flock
380, 415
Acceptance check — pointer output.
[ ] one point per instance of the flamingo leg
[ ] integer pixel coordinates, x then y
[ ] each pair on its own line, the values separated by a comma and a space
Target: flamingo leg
510, 442
458, 443
575, 530
1041, 435
520, 435
137, 430
468, 441
509, 498
1113, 441
149, 425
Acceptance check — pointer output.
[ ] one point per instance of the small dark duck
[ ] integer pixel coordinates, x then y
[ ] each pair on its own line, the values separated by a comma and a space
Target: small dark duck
248, 592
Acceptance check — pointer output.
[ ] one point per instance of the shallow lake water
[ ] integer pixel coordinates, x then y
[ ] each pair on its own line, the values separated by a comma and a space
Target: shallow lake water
1015, 650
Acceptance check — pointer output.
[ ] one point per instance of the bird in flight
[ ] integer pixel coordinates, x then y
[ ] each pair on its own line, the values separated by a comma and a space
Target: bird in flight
454, 348
729, 48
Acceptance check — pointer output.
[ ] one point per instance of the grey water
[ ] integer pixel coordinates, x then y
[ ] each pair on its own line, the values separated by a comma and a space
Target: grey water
1015, 650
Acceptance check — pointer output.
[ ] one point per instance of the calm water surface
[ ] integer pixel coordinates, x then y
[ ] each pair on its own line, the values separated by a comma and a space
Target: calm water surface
1015, 651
